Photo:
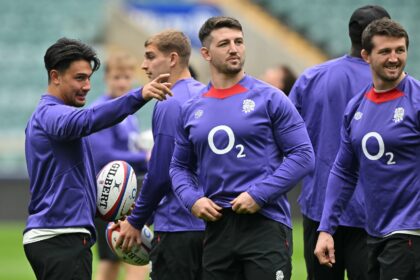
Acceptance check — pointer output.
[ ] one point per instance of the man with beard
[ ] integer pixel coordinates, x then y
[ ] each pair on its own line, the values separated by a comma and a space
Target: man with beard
380, 146
321, 95
240, 147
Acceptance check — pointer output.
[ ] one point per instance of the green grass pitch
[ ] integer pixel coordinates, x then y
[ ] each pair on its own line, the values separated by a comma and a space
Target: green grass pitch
14, 266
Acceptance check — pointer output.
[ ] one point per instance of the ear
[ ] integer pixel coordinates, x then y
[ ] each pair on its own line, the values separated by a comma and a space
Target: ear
55, 77
365, 55
174, 58
205, 53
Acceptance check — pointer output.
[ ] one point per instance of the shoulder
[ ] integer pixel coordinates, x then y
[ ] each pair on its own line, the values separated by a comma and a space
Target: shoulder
334, 68
273, 100
411, 87
99, 100
265, 91
261, 88
194, 85
49, 108
171, 104
354, 104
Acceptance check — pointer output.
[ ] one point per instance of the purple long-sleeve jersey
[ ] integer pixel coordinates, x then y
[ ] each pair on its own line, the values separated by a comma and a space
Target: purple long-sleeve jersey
170, 213
117, 143
321, 95
245, 138
60, 162
381, 140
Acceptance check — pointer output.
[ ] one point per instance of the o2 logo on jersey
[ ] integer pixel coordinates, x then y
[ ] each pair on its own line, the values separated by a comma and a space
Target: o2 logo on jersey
229, 146
381, 145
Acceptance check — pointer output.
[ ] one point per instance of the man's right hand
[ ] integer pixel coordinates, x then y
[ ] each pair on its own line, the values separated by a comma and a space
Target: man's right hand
157, 88
129, 236
324, 249
205, 209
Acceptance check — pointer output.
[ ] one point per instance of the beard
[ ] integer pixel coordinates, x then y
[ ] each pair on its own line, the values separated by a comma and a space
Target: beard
229, 69
392, 77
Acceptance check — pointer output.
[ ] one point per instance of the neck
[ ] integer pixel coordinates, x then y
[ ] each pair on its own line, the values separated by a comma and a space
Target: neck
179, 74
356, 51
111, 95
52, 90
222, 81
382, 85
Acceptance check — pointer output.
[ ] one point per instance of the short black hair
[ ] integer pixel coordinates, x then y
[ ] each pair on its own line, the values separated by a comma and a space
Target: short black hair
62, 53
361, 18
218, 22
382, 27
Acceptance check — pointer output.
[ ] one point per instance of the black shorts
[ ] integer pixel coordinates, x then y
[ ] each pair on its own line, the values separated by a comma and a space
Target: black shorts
177, 255
350, 253
394, 257
104, 252
66, 256
247, 247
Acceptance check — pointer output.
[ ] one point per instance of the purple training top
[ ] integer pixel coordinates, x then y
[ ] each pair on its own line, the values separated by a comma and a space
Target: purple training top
321, 94
380, 146
245, 138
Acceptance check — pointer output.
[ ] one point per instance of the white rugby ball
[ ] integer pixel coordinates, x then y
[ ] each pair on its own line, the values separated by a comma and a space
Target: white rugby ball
116, 190
138, 255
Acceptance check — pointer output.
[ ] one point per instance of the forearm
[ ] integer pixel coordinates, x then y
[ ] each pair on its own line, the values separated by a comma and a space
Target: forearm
184, 179
338, 194
298, 162
157, 182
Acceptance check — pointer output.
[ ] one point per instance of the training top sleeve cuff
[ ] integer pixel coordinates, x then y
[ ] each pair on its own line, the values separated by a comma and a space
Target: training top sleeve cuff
191, 198
137, 93
326, 229
258, 199
136, 224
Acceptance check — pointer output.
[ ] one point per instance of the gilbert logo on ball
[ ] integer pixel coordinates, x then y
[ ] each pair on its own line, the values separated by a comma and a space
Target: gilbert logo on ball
116, 190
138, 255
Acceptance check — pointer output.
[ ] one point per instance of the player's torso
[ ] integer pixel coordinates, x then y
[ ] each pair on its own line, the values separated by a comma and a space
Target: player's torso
233, 140
386, 139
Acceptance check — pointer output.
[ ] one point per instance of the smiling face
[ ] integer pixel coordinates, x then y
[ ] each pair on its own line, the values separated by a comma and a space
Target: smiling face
387, 60
155, 62
73, 84
225, 50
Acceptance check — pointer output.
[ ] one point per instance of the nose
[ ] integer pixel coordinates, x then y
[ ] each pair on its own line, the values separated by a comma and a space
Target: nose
232, 47
144, 65
86, 86
393, 57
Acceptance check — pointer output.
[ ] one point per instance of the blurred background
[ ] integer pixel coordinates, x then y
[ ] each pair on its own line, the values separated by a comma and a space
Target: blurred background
296, 33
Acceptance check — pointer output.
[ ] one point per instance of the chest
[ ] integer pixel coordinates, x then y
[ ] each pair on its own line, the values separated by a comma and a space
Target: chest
386, 131
231, 123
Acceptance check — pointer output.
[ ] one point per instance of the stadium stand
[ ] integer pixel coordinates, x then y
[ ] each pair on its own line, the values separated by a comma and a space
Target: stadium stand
324, 22
28, 28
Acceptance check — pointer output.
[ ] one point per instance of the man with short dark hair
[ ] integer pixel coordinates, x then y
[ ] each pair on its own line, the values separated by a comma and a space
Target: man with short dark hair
240, 147
60, 230
321, 94
380, 146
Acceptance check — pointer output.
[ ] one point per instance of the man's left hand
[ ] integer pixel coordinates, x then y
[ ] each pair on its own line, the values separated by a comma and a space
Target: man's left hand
244, 204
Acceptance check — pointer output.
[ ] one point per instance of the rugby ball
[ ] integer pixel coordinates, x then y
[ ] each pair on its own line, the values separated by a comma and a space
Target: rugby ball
116, 190
138, 255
